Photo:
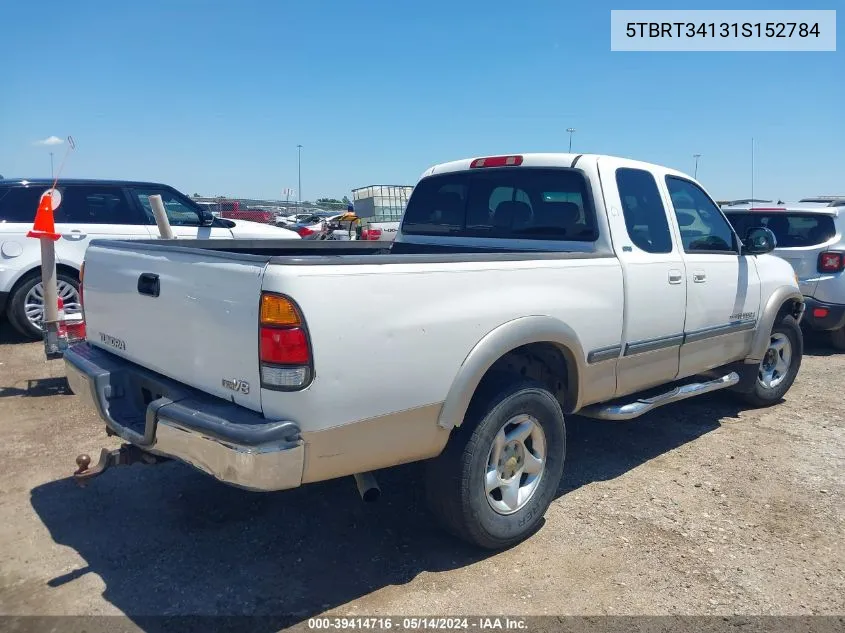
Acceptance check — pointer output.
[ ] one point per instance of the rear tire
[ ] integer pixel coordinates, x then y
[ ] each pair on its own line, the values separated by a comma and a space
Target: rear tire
837, 339
501, 469
780, 365
17, 309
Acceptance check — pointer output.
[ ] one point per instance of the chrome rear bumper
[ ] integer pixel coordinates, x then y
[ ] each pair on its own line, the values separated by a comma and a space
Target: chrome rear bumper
164, 417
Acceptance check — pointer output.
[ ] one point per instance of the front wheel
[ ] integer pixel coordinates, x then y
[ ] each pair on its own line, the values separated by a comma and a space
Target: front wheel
780, 364
500, 471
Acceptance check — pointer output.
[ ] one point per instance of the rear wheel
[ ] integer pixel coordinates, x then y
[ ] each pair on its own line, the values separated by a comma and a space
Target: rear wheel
500, 471
26, 305
780, 364
837, 339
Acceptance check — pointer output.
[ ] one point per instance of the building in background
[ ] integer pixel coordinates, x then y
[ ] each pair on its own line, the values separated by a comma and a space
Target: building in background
381, 203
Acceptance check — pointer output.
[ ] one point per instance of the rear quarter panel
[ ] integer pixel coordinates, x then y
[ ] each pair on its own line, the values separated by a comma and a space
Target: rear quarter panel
391, 337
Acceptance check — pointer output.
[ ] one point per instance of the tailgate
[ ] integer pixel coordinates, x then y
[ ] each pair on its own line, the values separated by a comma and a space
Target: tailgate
202, 327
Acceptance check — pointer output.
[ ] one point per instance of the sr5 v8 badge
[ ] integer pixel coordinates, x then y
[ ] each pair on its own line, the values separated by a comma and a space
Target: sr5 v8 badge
236, 385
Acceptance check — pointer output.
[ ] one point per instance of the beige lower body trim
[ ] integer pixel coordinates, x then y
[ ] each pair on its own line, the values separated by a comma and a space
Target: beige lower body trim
714, 352
367, 445
598, 383
638, 372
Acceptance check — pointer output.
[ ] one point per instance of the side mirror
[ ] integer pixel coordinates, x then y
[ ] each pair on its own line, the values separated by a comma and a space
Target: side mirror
759, 241
206, 219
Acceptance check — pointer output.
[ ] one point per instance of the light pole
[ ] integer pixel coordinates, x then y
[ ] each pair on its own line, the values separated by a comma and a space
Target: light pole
299, 177
570, 130
696, 157
51, 165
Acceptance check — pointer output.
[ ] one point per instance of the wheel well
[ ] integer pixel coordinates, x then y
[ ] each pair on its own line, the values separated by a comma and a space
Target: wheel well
547, 363
790, 307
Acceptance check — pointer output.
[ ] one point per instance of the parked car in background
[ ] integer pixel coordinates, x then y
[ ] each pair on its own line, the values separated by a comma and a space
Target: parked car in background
379, 231
312, 227
234, 210
290, 220
90, 209
811, 236
518, 290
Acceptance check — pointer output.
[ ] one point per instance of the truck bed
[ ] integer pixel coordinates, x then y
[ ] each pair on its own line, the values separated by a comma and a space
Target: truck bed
306, 252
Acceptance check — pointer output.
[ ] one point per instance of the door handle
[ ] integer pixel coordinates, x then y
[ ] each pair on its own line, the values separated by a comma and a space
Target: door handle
699, 277
148, 284
675, 277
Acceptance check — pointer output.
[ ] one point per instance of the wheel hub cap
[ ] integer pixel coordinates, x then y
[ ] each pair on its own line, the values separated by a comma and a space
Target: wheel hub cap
34, 302
776, 361
511, 460
515, 464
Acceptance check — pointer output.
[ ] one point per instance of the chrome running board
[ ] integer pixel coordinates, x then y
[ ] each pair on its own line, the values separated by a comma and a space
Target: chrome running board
631, 410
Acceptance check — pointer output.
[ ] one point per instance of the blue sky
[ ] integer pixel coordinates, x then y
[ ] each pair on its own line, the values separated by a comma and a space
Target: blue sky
213, 97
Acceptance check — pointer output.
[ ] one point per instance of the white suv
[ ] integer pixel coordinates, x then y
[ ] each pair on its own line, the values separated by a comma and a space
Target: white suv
91, 209
810, 236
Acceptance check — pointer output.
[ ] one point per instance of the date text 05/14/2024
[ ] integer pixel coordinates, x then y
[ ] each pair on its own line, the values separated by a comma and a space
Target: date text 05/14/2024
417, 623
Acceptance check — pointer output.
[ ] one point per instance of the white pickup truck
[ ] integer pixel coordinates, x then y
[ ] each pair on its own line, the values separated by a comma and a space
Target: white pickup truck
519, 289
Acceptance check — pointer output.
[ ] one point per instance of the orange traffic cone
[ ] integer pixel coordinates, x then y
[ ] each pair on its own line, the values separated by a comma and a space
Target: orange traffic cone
44, 226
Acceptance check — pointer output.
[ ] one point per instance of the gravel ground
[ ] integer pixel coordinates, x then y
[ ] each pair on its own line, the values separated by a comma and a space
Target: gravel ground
704, 507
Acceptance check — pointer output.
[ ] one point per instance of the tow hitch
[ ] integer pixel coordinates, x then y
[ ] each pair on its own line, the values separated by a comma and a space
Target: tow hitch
126, 455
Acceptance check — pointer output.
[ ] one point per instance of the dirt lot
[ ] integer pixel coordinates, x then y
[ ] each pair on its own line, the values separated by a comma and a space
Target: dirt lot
700, 508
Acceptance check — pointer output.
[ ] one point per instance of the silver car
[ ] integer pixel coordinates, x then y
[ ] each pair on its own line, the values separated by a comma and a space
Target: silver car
810, 236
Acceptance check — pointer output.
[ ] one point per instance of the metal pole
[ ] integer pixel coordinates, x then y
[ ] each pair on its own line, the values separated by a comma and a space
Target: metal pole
696, 157
570, 130
752, 171
161, 217
51, 298
299, 176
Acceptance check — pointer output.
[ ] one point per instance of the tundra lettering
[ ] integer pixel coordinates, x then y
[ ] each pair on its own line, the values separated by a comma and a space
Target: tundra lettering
112, 341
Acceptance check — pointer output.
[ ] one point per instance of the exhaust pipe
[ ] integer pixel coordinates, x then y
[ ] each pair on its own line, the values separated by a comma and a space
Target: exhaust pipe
367, 487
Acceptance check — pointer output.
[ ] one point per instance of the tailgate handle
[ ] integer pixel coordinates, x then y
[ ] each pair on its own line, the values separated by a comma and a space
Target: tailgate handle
148, 284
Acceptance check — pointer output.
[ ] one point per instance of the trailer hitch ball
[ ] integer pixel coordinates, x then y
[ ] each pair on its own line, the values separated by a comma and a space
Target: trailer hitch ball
126, 455
82, 462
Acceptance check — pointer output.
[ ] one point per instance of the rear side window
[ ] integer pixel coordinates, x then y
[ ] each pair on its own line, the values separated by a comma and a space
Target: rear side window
83, 204
645, 215
792, 230
515, 203
19, 204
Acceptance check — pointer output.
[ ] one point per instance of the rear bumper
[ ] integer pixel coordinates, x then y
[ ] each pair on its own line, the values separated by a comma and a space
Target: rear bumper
832, 315
162, 416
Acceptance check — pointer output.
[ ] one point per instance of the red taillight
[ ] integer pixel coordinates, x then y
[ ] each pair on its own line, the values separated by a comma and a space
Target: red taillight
370, 234
820, 313
831, 262
75, 328
283, 348
288, 346
496, 161
304, 231
62, 327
